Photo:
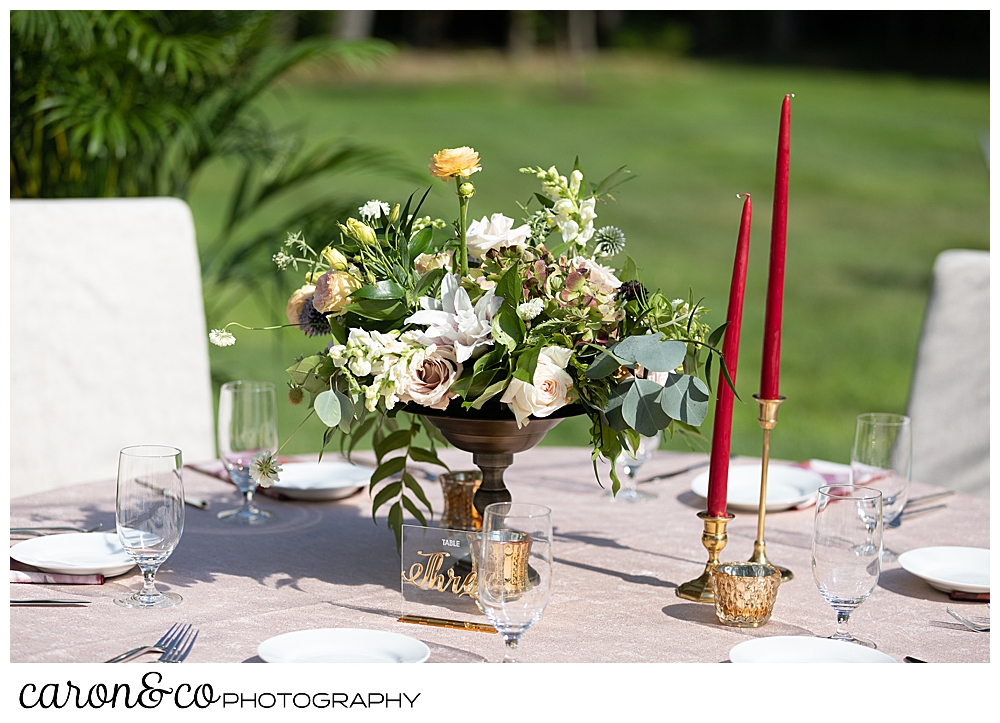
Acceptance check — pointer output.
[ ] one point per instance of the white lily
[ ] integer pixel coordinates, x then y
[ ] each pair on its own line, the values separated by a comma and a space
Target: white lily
454, 321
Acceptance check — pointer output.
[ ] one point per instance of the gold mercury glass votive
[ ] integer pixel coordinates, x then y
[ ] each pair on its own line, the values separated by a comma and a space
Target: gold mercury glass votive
458, 489
505, 571
745, 593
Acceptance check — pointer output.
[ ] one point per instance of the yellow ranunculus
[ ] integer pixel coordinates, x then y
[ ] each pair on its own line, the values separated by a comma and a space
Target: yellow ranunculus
453, 162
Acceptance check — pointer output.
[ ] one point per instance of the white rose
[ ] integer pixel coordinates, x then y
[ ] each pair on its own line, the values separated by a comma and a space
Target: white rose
484, 235
430, 377
550, 388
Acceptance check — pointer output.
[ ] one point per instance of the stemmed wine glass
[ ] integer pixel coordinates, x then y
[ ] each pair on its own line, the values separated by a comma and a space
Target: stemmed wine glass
881, 458
247, 426
149, 516
629, 462
515, 568
847, 550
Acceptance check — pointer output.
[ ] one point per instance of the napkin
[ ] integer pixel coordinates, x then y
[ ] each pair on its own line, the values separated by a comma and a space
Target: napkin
833, 472
44, 577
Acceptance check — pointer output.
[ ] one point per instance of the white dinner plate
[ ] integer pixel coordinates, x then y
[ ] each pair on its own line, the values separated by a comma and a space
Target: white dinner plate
966, 569
321, 481
342, 645
75, 553
801, 649
787, 486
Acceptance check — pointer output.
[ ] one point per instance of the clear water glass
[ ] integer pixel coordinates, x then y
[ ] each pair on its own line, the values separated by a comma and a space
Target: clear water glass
149, 516
628, 465
515, 568
248, 424
882, 458
847, 550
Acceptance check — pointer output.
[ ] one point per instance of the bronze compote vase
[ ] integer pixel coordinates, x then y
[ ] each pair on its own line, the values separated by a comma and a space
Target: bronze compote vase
493, 437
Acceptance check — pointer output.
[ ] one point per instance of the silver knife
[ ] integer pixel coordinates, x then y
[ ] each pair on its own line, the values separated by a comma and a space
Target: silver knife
675, 473
922, 510
49, 603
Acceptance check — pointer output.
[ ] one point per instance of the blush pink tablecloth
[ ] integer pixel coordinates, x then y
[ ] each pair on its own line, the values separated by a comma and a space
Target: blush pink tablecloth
325, 564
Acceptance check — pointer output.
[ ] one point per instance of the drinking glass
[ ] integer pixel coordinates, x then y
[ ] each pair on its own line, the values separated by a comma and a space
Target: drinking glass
881, 458
248, 424
515, 568
149, 516
629, 462
847, 550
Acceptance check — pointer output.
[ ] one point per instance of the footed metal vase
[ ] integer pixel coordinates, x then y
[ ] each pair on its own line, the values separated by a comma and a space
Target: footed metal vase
493, 443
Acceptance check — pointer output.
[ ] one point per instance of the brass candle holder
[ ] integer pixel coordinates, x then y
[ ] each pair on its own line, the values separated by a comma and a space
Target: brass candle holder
767, 417
714, 538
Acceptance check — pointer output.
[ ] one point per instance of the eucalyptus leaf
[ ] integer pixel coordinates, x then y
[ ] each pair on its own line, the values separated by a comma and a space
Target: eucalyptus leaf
328, 408
641, 407
685, 397
632, 346
603, 366
662, 357
346, 411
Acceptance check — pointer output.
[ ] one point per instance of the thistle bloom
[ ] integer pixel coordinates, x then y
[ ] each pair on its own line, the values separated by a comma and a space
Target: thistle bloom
264, 468
221, 337
454, 321
453, 162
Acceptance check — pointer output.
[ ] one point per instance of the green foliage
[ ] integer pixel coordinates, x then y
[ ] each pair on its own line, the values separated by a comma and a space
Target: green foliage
135, 103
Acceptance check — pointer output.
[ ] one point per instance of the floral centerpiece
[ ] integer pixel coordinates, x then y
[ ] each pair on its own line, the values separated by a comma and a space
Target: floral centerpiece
497, 319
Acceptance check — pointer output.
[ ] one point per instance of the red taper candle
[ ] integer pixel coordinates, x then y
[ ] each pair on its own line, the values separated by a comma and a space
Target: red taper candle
771, 362
722, 431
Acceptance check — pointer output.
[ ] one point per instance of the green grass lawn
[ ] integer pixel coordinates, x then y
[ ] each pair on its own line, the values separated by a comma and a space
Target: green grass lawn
886, 172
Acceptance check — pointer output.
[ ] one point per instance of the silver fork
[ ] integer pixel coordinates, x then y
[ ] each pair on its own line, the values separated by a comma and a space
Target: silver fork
179, 648
158, 647
978, 627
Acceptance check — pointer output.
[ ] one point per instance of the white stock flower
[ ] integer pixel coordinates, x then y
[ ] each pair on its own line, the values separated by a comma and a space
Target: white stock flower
484, 235
530, 309
221, 337
454, 321
550, 388
374, 209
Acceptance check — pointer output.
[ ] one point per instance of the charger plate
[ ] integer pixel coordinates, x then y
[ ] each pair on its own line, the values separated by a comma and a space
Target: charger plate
342, 645
966, 569
321, 481
787, 486
75, 553
802, 649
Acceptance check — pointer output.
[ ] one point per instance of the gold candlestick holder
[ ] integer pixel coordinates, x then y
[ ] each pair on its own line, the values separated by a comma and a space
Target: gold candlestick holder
767, 417
714, 538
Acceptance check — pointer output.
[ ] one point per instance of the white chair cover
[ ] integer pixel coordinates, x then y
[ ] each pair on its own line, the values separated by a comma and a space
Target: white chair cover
108, 340
950, 394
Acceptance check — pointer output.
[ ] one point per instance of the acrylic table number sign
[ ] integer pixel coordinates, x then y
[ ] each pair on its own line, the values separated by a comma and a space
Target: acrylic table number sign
438, 578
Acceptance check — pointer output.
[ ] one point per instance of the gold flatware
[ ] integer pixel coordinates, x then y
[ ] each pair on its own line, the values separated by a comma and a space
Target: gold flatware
49, 603
675, 473
38, 531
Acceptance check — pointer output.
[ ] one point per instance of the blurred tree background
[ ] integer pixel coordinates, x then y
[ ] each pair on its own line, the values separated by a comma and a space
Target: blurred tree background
889, 138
